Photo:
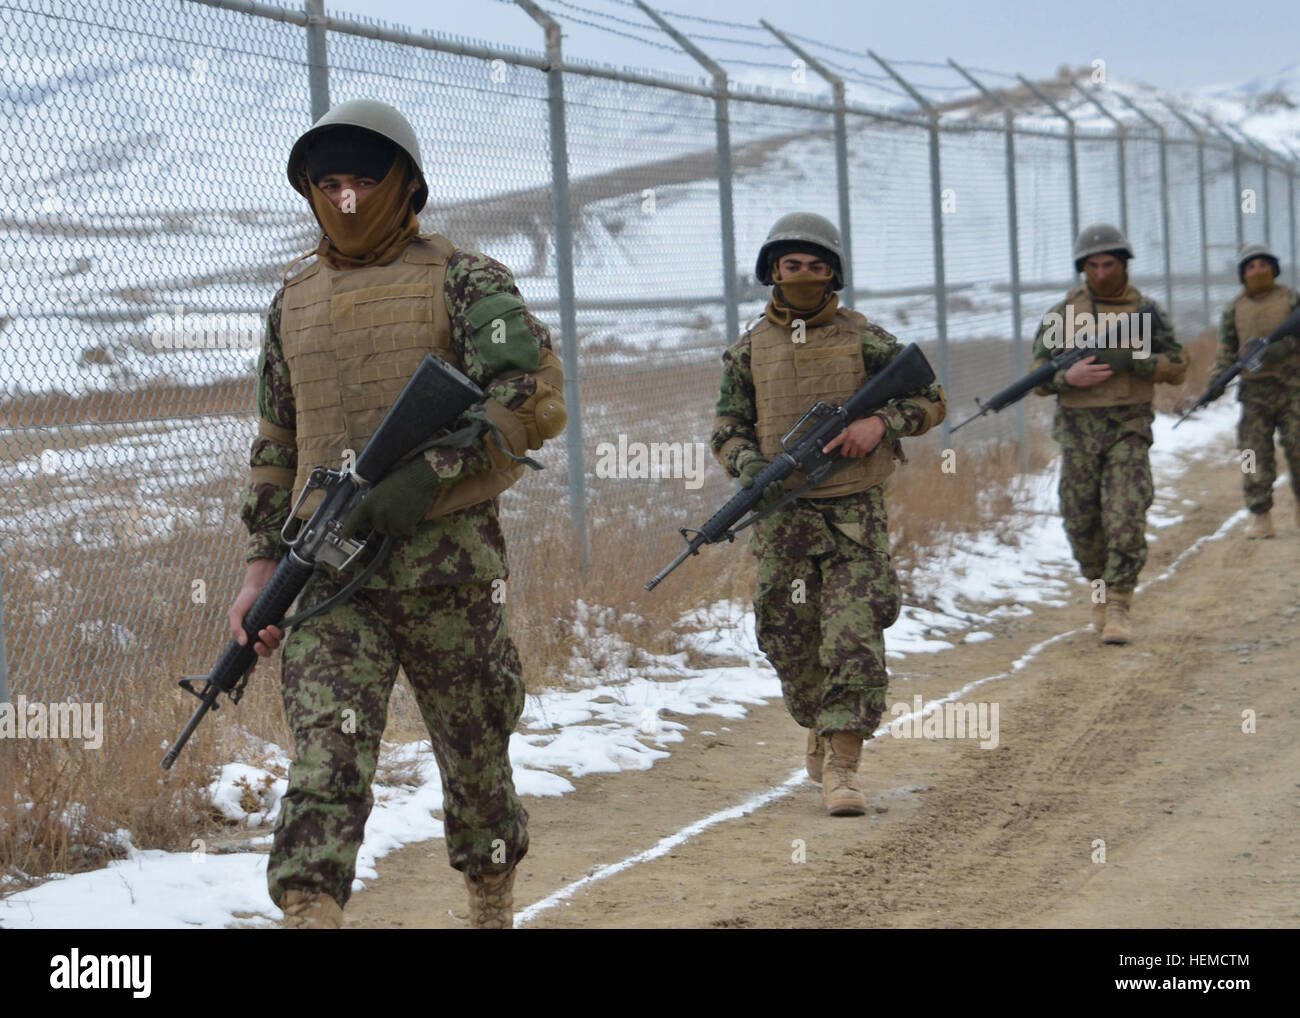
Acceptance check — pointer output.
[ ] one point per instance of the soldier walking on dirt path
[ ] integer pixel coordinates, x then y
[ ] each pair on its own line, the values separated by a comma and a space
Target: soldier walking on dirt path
343, 336
1103, 422
1270, 397
826, 588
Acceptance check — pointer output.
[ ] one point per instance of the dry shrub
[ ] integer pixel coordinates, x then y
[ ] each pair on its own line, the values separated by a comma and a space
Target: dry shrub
143, 630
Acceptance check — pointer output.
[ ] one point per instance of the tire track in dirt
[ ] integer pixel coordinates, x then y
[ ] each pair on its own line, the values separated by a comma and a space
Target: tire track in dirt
1139, 747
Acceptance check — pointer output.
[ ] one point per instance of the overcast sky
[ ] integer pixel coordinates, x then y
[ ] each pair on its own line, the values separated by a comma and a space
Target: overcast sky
1174, 44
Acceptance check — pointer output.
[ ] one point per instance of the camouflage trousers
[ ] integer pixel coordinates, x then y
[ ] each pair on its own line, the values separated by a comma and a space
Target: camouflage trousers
826, 593
338, 673
1268, 405
1106, 489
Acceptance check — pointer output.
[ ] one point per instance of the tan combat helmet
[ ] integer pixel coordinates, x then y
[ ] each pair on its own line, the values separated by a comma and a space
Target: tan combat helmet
1100, 238
1251, 251
805, 232
371, 115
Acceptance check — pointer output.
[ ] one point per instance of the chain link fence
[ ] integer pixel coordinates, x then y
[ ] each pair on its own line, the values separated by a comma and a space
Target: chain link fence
148, 223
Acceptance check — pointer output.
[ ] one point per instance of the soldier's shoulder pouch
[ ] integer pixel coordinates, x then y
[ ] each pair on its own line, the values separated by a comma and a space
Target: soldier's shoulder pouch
501, 333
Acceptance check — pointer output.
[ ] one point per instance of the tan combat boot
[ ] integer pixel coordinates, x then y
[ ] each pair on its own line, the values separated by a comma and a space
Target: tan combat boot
304, 910
1117, 628
840, 792
1099, 616
491, 901
1261, 525
814, 755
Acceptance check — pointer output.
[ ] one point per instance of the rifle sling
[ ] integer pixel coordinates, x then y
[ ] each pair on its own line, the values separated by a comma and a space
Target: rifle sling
465, 436
459, 439
786, 499
353, 585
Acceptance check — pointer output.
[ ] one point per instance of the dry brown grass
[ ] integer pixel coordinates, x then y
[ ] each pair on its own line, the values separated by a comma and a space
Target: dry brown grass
940, 496
62, 802
80, 797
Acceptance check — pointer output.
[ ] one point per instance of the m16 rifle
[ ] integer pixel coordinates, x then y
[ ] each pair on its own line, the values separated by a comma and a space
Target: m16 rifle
436, 395
1250, 358
802, 450
1061, 362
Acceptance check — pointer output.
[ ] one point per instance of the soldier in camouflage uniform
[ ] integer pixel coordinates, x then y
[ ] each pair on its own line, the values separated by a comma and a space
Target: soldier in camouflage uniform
343, 336
826, 589
1270, 397
1103, 422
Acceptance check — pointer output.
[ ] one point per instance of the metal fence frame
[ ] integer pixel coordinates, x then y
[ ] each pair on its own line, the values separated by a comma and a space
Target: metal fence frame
1200, 130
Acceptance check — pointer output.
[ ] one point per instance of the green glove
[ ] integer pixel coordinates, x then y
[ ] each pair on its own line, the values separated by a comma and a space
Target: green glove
1144, 367
750, 471
1118, 360
1277, 352
398, 503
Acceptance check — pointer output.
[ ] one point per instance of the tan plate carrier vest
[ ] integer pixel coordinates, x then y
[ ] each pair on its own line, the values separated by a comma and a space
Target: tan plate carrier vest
352, 339
1123, 388
1259, 316
790, 377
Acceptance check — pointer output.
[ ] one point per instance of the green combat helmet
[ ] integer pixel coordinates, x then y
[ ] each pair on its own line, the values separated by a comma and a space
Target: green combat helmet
801, 231
370, 115
1256, 251
1100, 238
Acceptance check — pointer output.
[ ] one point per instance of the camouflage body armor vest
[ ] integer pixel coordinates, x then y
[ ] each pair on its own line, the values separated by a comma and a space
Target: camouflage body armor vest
789, 377
1259, 316
352, 338
1123, 388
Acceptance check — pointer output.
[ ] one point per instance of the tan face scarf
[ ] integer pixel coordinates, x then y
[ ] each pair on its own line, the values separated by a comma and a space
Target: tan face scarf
1259, 282
378, 229
804, 295
1113, 286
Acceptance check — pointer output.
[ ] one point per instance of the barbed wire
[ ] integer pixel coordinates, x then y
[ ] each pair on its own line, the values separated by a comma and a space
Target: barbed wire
826, 45
881, 81
922, 63
738, 42
756, 63
606, 28
721, 22
997, 74
877, 81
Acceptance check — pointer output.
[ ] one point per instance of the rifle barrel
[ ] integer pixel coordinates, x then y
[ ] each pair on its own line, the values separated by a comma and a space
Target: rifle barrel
668, 569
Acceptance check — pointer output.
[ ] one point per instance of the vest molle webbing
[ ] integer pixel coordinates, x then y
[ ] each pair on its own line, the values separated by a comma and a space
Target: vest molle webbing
1259, 316
352, 339
789, 377
1123, 388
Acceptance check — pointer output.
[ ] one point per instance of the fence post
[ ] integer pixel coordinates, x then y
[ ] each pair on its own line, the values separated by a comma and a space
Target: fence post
1013, 236
936, 227
841, 153
318, 73
722, 120
1073, 151
1290, 204
1200, 196
1236, 175
1164, 198
4, 657
563, 211
1121, 137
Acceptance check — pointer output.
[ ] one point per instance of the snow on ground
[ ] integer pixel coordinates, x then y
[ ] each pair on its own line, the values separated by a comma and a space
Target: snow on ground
602, 726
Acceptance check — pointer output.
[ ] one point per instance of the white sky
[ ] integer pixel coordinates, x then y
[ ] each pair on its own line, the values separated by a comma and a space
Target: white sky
1174, 44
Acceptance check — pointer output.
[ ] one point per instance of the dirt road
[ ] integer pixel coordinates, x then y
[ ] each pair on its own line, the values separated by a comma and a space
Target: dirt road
1123, 791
